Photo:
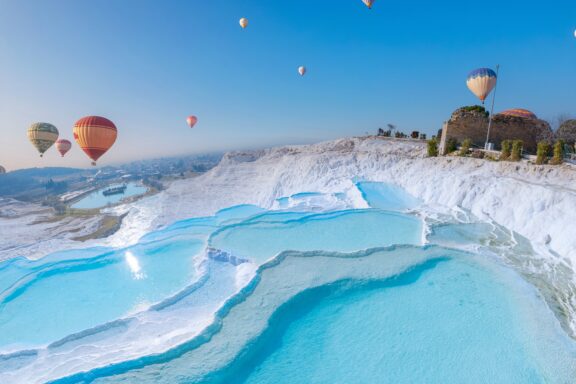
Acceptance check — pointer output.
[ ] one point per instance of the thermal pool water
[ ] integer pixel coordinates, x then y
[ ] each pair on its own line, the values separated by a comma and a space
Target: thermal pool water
294, 295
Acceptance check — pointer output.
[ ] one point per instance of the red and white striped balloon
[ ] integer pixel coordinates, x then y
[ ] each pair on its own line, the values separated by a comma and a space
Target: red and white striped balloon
63, 146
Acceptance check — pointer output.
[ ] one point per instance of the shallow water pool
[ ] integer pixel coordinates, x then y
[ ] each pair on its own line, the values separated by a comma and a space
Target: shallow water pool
50, 299
345, 231
453, 324
295, 295
98, 200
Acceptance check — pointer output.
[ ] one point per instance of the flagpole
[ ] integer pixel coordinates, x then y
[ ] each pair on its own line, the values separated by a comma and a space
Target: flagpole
492, 109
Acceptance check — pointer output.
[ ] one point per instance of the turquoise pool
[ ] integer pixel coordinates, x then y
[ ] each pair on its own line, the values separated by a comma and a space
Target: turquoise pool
98, 200
287, 296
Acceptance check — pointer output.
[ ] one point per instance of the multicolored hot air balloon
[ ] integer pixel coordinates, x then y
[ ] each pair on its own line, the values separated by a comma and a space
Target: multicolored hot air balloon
302, 70
2, 170
63, 146
243, 22
95, 135
368, 3
481, 82
42, 136
191, 120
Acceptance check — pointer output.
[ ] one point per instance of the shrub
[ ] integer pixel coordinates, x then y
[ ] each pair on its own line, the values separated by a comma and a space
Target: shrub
476, 108
505, 153
542, 152
465, 148
558, 157
516, 153
477, 154
451, 146
432, 148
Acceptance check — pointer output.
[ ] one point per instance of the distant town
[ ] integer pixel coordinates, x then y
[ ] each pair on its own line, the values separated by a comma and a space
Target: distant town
60, 187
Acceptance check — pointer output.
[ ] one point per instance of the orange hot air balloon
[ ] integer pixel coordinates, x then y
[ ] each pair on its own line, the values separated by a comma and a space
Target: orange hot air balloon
95, 135
192, 120
63, 146
368, 3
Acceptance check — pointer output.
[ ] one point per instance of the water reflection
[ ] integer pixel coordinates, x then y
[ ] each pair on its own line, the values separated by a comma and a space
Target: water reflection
134, 266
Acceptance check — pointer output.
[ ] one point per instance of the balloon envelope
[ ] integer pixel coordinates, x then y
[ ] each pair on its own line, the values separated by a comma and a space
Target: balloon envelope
42, 136
481, 82
95, 135
368, 3
243, 22
192, 120
63, 146
302, 70
2, 170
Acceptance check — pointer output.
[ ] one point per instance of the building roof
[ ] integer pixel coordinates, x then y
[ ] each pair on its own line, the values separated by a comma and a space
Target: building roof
519, 112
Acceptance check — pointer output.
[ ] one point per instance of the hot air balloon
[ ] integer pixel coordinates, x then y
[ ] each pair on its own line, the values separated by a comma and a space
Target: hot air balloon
42, 136
192, 120
2, 170
302, 70
95, 135
481, 82
368, 3
63, 146
243, 22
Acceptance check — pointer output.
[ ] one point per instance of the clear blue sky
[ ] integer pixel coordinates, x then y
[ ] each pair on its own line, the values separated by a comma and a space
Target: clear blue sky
147, 64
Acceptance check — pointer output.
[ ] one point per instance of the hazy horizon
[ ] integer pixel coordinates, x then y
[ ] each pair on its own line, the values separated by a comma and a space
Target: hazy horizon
147, 65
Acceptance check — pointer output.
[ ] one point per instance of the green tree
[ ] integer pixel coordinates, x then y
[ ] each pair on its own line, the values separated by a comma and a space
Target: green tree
542, 152
558, 157
465, 148
516, 154
432, 148
505, 153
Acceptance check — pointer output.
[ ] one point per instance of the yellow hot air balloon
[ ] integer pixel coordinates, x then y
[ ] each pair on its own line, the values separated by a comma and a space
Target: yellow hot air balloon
243, 22
42, 136
368, 3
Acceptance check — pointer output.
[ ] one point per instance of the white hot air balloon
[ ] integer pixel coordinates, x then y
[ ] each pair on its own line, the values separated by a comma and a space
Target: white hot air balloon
368, 3
302, 70
243, 22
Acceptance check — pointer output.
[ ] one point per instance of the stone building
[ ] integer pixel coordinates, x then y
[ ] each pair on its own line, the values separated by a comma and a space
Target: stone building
518, 124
